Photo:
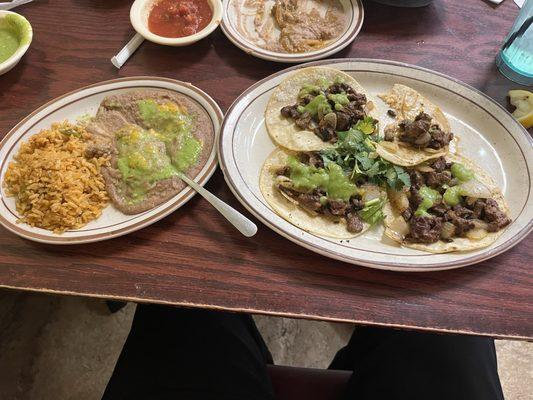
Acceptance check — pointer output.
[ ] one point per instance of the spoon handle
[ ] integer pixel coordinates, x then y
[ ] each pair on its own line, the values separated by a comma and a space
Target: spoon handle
4, 6
239, 221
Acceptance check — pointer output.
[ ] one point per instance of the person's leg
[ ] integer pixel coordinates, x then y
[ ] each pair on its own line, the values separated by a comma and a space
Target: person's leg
397, 365
186, 354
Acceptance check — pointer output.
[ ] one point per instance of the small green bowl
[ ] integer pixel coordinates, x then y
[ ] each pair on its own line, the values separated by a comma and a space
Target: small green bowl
21, 27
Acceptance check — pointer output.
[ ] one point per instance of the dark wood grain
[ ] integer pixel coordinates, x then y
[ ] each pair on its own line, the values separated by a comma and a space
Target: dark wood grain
194, 257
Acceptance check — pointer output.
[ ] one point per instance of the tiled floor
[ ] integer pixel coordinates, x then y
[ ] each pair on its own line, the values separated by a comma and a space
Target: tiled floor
64, 348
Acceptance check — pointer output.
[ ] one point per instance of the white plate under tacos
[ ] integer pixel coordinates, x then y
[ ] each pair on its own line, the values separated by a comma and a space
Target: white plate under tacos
488, 135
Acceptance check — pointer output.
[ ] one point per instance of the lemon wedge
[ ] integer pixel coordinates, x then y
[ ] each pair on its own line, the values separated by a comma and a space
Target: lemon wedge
523, 101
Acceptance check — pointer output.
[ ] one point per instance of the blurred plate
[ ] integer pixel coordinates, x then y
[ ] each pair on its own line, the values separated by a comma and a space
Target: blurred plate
354, 15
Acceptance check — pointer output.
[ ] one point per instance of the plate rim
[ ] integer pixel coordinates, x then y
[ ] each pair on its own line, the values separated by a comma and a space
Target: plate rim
285, 57
400, 267
186, 194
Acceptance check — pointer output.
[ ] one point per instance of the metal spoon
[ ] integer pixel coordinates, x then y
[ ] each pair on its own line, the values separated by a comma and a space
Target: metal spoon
239, 221
12, 4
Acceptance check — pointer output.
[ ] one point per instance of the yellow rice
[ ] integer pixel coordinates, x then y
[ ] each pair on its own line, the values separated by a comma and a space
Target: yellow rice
56, 187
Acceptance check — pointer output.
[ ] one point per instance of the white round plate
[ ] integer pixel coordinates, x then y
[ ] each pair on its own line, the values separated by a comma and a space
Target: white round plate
354, 14
488, 134
112, 223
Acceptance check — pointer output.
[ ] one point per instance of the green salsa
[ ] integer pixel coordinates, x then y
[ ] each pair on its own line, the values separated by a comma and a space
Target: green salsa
462, 173
174, 127
15, 31
142, 160
9, 44
164, 149
429, 198
331, 179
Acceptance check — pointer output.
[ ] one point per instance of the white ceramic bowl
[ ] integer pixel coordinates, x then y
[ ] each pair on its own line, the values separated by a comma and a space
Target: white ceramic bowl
26, 37
139, 19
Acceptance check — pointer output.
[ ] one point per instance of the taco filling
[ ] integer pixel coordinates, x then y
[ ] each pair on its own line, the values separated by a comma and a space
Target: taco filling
326, 108
326, 190
421, 132
446, 201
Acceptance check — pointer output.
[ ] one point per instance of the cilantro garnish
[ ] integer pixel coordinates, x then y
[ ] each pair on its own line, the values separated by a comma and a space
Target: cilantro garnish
372, 211
355, 152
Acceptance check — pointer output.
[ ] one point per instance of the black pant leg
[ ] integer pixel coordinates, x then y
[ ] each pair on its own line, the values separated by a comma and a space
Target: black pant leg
405, 365
184, 354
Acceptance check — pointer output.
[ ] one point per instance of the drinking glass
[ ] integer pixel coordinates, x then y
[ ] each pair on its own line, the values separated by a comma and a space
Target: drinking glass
515, 59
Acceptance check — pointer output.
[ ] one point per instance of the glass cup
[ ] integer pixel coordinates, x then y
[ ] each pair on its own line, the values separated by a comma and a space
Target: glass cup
515, 59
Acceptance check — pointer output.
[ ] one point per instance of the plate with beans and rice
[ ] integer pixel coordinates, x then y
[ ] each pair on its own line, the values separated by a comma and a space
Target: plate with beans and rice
102, 161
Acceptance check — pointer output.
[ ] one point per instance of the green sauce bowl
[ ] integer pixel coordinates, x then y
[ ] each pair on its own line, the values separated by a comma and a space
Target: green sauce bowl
15, 37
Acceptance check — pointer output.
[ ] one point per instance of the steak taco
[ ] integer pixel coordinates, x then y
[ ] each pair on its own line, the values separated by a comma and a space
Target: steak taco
451, 205
310, 106
319, 198
421, 131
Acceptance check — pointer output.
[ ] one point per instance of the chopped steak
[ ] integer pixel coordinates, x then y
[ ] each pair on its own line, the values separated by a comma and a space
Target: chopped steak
315, 160
478, 209
437, 179
439, 138
494, 216
440, 164
424, 229
463, 212
310, 200
421, 133
461, 224
337, 207
414, 198
417, 179
343, 121
354, 223
440, 209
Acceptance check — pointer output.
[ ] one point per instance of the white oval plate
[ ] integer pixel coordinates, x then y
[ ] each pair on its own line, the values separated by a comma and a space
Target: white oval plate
355, 15
488, 134
112, 223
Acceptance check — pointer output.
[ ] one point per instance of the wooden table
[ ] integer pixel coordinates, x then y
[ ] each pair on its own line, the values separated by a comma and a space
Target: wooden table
194, 257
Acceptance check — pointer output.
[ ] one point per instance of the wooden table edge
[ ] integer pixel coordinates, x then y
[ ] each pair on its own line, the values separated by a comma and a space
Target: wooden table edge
264, 312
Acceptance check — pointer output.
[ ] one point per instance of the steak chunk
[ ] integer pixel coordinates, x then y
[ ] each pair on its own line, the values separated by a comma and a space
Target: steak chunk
337, 207
439, 139
417, 179
354, 223
494, 216
310, 201
421, 133
462, 225
416, 132
440, 164
424, 229
437, 179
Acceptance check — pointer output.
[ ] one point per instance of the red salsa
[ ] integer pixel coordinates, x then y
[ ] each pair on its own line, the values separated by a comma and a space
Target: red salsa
179, 18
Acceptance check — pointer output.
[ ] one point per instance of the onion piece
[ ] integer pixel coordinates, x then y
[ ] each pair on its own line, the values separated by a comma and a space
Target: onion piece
399, 227
371, 192
479, 224
424, 168
476, 234
448, 230
475, 188
399, 200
